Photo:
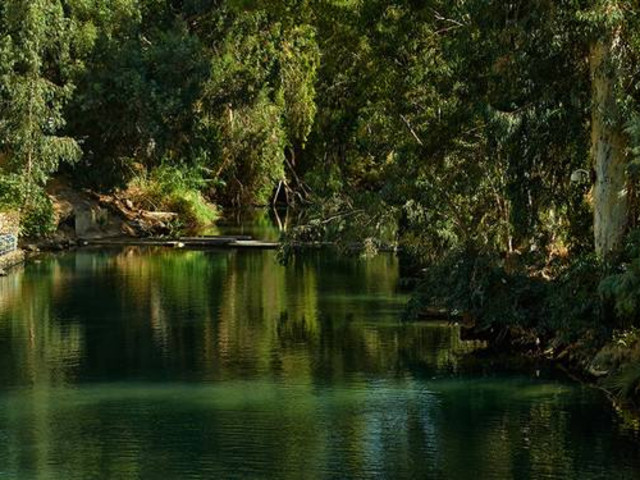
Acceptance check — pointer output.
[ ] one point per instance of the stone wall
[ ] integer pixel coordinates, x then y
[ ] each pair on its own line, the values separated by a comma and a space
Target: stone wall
9, 253
8, 243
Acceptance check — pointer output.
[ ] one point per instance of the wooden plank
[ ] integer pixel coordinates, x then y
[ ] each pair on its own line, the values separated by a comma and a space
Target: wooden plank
184, 243
229, 242
219, 237
256, 244
120, 242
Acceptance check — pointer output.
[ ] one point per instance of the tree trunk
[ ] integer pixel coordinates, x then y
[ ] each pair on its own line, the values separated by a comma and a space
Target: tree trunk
608, 150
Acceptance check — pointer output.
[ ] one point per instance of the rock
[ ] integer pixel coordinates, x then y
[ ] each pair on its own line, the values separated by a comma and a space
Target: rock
3, 272
129, 204
53, 245
160, 217
128, 230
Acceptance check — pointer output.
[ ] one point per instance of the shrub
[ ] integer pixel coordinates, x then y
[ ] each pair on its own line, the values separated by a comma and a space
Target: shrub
494, 291
174, 189
622, 286
35, 206
38, 217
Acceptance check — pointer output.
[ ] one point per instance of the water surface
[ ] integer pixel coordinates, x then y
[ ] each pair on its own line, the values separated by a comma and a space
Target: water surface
143, 363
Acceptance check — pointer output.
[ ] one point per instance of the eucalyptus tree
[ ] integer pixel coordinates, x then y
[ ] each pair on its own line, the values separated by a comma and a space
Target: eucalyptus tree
467, 118
614, 31
223, 89
135, 103
259, 100
35, 67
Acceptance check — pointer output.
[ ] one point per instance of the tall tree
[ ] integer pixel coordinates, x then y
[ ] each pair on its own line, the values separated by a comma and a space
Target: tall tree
35, 62
609, 143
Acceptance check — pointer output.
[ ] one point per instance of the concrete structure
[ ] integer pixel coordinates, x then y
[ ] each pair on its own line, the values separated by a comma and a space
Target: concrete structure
9, 253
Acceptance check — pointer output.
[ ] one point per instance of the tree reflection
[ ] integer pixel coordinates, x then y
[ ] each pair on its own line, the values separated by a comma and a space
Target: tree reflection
137, 363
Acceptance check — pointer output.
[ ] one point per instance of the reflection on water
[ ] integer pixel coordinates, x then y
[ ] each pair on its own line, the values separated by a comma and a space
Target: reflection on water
142, 363
263, 224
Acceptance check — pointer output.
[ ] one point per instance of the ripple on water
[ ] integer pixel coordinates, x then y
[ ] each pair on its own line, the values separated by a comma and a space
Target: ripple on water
142, 363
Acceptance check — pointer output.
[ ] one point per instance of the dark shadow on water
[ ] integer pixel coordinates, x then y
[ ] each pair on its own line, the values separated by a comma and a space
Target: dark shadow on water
158, 363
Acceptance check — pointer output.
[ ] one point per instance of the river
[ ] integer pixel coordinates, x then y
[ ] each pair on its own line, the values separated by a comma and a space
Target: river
151, 363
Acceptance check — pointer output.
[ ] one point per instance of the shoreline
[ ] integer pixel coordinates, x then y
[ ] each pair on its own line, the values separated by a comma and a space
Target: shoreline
576, 361
12, 260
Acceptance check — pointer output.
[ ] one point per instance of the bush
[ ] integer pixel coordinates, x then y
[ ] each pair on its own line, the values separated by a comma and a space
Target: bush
562, 303
573, 305
622, 286
38, 217
34, 205
481, 286
174, 189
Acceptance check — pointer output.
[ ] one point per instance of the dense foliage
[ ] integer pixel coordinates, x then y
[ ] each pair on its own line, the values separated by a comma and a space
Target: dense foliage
496, 142
501, 136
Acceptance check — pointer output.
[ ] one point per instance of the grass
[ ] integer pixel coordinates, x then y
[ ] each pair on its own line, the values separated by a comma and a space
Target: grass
173, 189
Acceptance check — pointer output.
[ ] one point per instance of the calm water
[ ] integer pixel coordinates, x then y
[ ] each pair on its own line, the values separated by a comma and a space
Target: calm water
172, 364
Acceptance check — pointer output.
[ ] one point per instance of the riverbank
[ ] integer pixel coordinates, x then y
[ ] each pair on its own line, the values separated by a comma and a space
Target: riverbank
81, 215
610, 366
88, 218
85, 217
11, 260
571, 309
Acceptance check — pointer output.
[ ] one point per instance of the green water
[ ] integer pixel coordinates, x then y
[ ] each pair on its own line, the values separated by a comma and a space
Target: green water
142, 363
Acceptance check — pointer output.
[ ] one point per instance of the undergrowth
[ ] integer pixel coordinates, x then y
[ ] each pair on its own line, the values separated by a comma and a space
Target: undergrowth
581, 305
173, 189
37, 217
495, 290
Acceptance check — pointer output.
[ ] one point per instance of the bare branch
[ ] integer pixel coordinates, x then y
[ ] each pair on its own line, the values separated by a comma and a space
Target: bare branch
415, 135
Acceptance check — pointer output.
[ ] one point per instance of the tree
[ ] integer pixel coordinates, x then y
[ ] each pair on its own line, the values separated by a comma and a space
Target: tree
259, 101
35, 62
612, 32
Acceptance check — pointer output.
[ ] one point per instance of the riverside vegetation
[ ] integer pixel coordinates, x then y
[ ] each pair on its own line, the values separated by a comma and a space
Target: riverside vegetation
496, 143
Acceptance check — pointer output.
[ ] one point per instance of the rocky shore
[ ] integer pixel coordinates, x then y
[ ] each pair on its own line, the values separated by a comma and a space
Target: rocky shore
11, 260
